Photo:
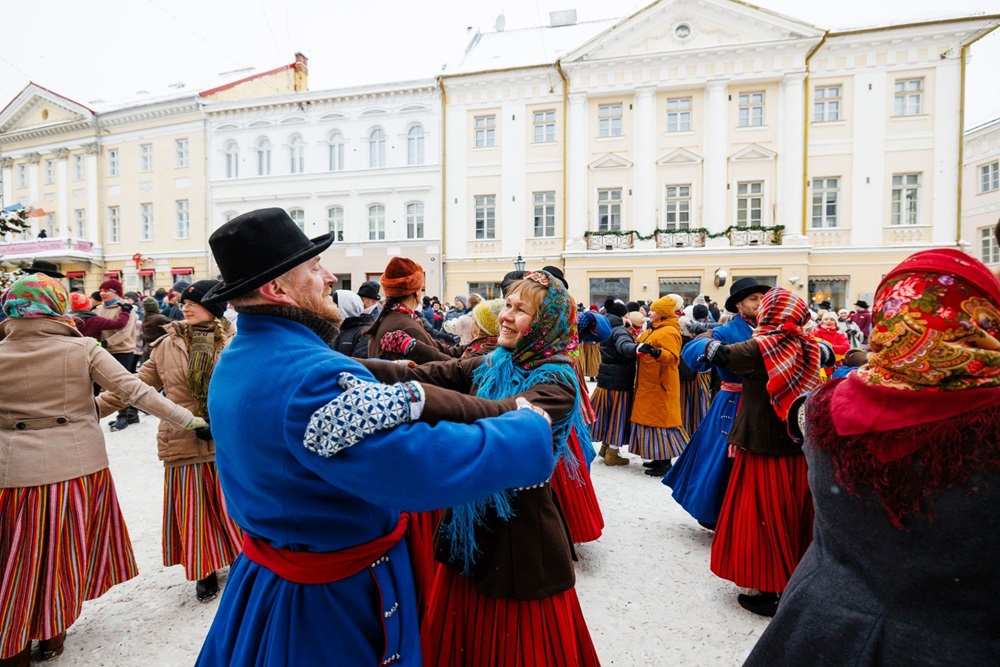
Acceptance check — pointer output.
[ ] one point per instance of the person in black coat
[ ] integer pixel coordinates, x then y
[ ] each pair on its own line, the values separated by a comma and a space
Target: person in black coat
351, 341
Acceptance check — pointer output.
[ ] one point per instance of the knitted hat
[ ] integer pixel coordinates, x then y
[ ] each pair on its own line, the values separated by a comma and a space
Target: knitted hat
617, 308
133, 295
113, 285
459, 297
679, 300
402, 277
149, 305
197, 292
180, 286
78, 301
699, 312
664, 306
486, 314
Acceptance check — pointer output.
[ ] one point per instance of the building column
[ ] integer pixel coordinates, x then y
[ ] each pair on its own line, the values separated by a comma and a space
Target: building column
714, 194
947, 169
455, 233
33, 160
7, 165
791, 156
62, 191
644, 197
868, 214
576, 172
93, 211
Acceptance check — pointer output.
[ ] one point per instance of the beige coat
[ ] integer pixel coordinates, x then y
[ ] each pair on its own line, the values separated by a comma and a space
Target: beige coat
121, 340
167, 370
49, 429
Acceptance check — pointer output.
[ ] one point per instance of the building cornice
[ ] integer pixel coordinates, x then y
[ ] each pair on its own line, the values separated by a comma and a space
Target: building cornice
313, 101
45, 131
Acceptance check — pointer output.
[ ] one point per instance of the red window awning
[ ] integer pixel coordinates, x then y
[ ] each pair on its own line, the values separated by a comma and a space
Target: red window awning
112, 274
76, 274
147, 272
182, 270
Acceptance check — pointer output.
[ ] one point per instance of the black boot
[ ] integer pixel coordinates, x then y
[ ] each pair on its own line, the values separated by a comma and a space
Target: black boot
207, 589
51, 648
121, 423
762, 604
132, 415
659, 468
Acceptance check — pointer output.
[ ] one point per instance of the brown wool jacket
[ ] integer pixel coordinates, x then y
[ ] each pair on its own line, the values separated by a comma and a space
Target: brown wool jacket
49, 428
424, 351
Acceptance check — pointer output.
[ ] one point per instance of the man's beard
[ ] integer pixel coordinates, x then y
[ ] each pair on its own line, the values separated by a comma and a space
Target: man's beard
323, 307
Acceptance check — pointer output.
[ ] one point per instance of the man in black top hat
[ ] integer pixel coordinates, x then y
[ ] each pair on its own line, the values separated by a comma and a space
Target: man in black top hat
45, 268
743, 290
370, 298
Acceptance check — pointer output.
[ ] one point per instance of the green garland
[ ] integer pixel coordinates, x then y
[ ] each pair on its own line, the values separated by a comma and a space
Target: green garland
777, 229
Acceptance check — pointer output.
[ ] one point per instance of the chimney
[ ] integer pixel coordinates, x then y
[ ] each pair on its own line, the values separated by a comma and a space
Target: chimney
301, 68
562, 18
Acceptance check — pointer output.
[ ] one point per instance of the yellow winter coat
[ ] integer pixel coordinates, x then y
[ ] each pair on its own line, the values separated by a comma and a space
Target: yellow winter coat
658, 384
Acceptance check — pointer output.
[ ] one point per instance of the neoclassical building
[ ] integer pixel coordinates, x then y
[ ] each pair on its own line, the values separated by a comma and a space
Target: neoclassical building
362, 163
981, 191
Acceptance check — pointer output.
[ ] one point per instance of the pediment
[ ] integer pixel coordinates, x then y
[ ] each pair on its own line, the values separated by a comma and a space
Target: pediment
610, 161
753, 152
680, 156
671, 26
36, 107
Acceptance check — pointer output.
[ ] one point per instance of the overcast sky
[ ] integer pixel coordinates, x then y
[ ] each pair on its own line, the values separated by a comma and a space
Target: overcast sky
108, 49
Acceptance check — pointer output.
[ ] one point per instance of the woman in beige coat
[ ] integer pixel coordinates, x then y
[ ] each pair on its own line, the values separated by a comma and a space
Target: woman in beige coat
62, 536
197, 530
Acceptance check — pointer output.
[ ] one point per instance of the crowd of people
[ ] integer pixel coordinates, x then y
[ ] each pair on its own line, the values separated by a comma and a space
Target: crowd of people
396, 481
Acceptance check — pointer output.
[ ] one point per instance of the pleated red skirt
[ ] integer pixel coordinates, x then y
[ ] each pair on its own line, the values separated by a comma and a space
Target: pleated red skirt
420, 541
467, 629
765, 524
577, 498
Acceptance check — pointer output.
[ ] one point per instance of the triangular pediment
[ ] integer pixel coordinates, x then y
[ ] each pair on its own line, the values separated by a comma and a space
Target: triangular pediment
610, 161
37, 107
753, 152
680, 156
669, 26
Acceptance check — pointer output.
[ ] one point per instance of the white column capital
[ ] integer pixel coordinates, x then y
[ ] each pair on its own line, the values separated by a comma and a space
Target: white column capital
794, 78
645, 92
577, 97
716, 85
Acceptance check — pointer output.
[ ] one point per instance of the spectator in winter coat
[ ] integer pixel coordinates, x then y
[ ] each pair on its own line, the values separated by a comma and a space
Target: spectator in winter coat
828, 331
88, 323
849, 328
153, 325
173, 311
352, 341
863, 318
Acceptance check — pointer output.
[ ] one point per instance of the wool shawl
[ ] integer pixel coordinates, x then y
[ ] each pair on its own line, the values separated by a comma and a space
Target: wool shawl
791, 357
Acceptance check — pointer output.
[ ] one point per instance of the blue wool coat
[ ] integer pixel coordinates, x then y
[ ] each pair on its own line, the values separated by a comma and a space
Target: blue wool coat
700, 476
264, 389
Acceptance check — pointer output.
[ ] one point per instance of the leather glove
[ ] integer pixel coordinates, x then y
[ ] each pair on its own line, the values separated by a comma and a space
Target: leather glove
204, 433
647, 350
397, 342
125, 306
716, 353
195, 423
362, 409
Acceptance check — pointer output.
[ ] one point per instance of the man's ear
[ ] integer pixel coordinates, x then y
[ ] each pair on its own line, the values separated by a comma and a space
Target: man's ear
274, 292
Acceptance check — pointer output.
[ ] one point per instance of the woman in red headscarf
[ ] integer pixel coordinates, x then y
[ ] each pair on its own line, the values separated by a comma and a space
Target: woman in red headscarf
904, 465
765, 524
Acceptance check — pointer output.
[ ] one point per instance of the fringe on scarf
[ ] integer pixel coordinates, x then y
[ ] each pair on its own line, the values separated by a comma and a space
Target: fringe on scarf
202, 339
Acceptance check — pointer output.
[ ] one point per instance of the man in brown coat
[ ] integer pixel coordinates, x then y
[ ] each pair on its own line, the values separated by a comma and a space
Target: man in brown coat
120, 343
153, 325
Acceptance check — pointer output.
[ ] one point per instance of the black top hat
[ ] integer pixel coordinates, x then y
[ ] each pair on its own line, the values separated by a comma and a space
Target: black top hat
256, 247
741, 289
825, 305
861, 304
46, 268
369, 289
557, 273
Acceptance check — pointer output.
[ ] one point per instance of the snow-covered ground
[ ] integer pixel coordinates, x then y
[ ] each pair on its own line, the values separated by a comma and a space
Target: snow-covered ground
646, 589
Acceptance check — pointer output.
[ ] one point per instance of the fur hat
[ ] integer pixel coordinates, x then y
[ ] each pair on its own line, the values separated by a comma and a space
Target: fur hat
113, 285
486, 314
197, 292
402, 277
679, 300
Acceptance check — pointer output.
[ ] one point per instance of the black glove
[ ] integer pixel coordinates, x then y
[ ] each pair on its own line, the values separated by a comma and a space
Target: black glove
125, 306
204, 433
717, 353
646, 348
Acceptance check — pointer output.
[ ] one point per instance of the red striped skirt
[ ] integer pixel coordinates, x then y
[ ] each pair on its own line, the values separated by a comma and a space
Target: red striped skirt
765, 524
197, 530
696, 395
465, 628
612, 407
657, 443
420, 542
577, 498
60, 544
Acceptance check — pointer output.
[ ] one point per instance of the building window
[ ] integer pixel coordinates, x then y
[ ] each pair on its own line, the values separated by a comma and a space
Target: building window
376, 222
50, 171
50, 224
905, 195
376, 148
263, 156
609, 120
545, 214
826, 104
609, 210
296, 155
602, 289
486, 217
232, 151
415, 220
679, 115
989, 177
689, 288
181, 153
80, 217
336, 147
114, 224
183, 230
678, 207
832, 289
145, 222
749, 204
22, 175
486, 131
824, 202
415, 145
335, 222
113, 162
486, 290
78, 168
545, 126
298, 216
909, 97
752, 109
989, 251
146, 157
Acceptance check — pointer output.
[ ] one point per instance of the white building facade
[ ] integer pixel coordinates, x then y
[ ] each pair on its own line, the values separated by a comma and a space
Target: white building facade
981, 192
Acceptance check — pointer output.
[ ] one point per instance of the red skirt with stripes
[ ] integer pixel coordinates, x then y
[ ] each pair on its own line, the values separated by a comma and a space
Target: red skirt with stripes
197, 530
577, 498
465, 628
612, 409
765, 524
60, 544
420, 541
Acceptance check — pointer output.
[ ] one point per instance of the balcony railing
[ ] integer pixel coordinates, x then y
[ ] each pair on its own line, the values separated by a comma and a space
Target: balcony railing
52, 247
744, 236
609, 241
680, 239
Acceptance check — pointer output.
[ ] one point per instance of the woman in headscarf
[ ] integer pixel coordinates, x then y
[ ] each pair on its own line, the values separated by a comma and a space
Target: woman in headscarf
904, 466
197, 530
63, 539
765, 523
351, 341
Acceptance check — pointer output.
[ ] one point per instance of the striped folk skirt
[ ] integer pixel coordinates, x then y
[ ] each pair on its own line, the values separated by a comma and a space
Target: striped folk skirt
612, 407
765, 525
657, 443
590, 358
576, 497
60, 544
197, 530
696, 395
465, 628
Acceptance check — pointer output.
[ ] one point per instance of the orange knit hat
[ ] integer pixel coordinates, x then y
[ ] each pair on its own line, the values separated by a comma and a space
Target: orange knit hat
402, 277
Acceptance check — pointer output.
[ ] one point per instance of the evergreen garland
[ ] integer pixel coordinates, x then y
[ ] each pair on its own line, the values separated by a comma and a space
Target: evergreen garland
777, 229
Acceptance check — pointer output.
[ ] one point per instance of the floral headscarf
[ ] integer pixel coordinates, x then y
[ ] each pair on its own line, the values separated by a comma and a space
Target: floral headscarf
791, 357
553, 335
37, 296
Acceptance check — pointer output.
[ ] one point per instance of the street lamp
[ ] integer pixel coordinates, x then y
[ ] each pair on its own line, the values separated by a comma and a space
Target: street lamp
519, 263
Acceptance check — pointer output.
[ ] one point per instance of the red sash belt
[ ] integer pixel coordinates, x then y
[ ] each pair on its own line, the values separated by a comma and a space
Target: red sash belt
304, 567
734, 387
